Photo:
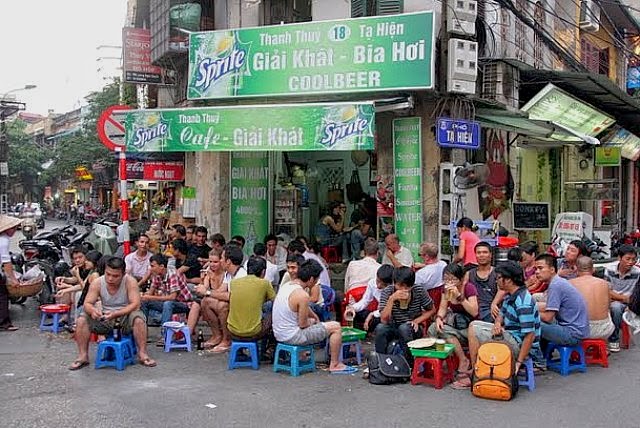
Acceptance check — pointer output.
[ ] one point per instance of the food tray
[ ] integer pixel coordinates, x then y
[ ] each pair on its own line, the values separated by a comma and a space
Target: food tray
350, 334
432, 353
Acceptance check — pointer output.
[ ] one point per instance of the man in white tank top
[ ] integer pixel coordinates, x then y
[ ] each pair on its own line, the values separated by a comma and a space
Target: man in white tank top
120, 299
294, 323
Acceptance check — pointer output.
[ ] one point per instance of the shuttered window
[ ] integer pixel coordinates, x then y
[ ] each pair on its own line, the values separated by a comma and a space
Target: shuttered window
375, 7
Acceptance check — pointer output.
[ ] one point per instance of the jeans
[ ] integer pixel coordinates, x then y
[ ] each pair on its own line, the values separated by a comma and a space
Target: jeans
386, 333
557, 334
166, 308
616, 309
356, 239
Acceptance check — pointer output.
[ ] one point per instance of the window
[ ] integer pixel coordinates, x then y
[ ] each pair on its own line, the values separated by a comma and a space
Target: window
375, 7
594, 59
539, 16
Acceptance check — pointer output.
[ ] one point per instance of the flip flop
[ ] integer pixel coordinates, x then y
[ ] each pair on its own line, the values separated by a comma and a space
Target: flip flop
148, 362
219, 349
461, 384
347, 370
78, 364
209, 345
9, 328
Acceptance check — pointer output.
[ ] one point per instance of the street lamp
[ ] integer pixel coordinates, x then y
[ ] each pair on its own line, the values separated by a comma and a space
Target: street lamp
7, 109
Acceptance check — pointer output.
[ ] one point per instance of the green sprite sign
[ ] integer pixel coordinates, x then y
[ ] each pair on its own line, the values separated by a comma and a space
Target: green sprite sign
369, 54
299, 127
608, 155
407, 164
249, 196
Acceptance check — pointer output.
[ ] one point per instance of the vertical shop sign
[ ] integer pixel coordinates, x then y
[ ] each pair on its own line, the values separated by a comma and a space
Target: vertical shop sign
407, 166
249, 196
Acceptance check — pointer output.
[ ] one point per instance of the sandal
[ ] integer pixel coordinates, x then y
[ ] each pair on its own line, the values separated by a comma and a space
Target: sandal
78, 364
209, 344
462, 383
9, 327
219, 349
148, 362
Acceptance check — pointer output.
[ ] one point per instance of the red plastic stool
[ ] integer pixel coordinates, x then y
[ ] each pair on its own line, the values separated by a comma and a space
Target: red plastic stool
435, 372
626, 335
595, 351
50, 318
330, 254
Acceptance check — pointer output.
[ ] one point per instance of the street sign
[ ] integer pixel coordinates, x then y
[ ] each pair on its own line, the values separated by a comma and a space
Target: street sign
111, 126
458, 134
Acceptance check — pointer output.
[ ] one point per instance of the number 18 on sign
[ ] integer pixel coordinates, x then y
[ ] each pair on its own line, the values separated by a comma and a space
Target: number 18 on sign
458, 134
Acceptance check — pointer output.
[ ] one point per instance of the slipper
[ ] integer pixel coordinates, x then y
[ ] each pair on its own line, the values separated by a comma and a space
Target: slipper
209, 345
9, 328
219, 349
78, 364
461, 384
148, 362
346, 370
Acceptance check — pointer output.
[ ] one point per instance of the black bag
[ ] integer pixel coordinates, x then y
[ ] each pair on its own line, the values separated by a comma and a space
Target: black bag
354, 189
385, 369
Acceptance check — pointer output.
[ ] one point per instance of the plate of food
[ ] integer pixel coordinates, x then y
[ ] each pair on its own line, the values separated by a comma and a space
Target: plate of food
422, 343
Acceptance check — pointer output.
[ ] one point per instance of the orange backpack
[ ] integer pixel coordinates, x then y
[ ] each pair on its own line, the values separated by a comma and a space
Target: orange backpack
494, 375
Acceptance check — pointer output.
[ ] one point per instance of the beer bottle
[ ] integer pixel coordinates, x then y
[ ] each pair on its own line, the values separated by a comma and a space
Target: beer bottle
200, 341
117, 331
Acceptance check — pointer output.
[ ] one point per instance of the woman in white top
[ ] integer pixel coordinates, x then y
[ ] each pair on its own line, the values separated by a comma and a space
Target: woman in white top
8, 226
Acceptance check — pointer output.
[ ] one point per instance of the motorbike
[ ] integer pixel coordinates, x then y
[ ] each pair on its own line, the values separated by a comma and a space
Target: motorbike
29, 226
21, 266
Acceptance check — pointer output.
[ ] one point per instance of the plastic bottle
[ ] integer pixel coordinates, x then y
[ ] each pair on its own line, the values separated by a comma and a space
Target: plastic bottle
200, 341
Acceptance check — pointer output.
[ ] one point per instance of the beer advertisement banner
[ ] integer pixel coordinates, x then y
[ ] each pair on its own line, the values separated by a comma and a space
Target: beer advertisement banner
155, 170
297, 127
249, 196
407, 165
367, 54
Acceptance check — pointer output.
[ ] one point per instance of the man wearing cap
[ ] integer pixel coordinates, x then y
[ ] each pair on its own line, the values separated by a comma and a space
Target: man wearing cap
8, 226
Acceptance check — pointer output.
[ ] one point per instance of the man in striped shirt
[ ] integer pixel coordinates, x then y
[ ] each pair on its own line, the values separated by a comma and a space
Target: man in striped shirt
518, 322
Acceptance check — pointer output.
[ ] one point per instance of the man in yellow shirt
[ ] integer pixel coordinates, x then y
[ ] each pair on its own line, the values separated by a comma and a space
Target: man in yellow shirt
247, 320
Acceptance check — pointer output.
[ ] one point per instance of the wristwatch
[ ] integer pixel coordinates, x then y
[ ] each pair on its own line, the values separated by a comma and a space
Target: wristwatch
208, 293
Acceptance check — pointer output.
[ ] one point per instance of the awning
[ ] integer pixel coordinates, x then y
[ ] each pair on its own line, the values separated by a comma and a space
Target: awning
545, 132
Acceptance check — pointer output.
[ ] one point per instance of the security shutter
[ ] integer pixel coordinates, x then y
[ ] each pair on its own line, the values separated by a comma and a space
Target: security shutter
388, 7
358, 8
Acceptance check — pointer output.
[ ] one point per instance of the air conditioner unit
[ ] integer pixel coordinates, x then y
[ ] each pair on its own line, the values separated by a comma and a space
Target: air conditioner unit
500, 83
589, 15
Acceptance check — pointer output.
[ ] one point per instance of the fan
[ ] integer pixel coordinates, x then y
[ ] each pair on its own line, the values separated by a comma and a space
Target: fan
470, 175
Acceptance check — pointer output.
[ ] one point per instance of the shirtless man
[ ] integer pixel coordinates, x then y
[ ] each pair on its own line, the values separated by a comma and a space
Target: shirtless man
596, 294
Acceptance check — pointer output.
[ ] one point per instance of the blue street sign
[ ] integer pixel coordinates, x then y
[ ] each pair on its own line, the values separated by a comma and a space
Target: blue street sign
458, 134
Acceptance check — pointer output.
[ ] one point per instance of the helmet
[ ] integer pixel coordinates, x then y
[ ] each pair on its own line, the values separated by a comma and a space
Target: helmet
60, 269
17, 259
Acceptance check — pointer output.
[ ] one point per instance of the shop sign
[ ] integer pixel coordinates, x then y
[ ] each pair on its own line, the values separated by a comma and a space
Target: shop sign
633, 78
249, 197
569, 226
629, 144
136, 57
155, 170
368, 54
608, 156
407, 167
555, 105
281, 127
458, 134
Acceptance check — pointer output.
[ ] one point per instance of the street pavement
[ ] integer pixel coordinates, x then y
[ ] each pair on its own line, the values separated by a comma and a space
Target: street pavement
196, 389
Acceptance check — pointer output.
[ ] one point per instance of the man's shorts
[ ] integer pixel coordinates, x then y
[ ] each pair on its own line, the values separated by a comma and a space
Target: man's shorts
601, 329
484, 334
106, 327
310, 335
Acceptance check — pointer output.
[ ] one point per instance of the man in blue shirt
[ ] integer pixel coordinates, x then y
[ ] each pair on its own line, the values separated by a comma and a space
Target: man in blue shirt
518, 322
565, 320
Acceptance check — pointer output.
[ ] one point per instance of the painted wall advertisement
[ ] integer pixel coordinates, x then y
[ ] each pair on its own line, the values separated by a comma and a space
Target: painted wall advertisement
407, 164
281, 127
345, 56
249, 196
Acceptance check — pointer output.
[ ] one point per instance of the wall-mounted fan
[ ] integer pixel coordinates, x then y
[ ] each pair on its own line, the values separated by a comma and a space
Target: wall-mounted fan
471, 175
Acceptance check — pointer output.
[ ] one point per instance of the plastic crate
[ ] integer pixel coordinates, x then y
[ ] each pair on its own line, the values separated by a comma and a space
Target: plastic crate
432, 353
350, 334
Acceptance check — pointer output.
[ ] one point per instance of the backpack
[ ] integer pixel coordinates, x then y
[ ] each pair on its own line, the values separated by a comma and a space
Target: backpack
494, 375
385, 369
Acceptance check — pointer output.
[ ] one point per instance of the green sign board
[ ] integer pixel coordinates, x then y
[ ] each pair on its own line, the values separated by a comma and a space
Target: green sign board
249, 196
608, 155
407, 165
281, 127
368, 54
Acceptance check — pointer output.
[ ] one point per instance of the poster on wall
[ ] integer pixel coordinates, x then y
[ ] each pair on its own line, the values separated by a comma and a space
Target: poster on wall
407, 167
569, 226
385, 202
249, 197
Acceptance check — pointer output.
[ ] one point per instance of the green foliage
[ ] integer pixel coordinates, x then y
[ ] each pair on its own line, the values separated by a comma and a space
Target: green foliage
25, 158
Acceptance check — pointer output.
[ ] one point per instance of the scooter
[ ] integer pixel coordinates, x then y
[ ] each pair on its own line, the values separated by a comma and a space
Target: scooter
29, 226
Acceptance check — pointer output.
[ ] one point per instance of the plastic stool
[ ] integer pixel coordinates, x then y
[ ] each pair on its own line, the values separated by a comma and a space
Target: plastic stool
50, 318
566, 364
626, 335
529, 380
182, 343
344, 351
595, 352
236, 347
294, 366
330, 254
434, 372
121, 353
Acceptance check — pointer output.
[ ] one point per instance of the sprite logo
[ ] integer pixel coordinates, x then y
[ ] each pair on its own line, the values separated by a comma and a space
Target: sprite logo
155, 129
350, 124
226, 59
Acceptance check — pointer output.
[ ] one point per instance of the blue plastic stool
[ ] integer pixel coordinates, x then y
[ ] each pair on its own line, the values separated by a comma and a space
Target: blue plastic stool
529, 380
344, 351
565, 364
121, 354
295, 366
170, 344
236, 347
